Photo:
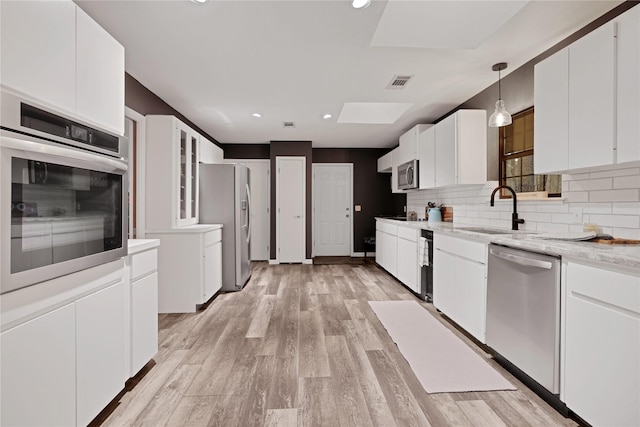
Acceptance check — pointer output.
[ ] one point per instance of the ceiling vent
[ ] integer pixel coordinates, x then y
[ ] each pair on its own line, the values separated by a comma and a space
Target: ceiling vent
288, 124
399, 81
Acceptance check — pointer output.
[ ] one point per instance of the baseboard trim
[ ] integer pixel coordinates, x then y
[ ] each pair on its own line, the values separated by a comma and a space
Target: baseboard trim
308, 261
273, 262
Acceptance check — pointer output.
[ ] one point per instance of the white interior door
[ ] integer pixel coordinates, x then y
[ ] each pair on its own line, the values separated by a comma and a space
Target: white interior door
332, 215
290, 207
260, 200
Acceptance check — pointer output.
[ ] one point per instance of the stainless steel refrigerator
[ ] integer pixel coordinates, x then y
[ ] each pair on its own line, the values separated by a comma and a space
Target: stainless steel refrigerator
225, 199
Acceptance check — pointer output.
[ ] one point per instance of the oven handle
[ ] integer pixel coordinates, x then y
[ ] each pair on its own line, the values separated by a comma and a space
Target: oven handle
50, 150
529, 262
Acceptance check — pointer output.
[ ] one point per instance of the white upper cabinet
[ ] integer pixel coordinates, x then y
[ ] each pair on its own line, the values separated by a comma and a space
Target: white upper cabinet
385, 163
427, 159
446, 147
408, 148
53, 52
210, 152
628, 90
591, 98
394, 173
551, 132
587, 100
454, 151
100, 75
38, 48
172, 182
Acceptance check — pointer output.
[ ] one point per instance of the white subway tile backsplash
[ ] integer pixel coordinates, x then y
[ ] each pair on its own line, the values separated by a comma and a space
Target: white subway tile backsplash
576, 177
594, 208
546, 227
576, 196
627, 182
615, 172
630, 195
620, 221
564, 219
542, 207
609, 198
631, 208
626, 233
591, 184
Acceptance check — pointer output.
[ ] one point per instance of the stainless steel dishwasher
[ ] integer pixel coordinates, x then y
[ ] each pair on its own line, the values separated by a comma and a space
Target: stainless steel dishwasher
523, 312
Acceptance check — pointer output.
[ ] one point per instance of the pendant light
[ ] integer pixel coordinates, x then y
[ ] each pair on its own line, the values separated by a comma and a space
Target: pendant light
501, 116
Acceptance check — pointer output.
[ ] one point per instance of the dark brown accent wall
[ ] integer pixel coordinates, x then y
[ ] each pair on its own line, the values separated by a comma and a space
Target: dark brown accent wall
143, 101
291, 148
371, 190
246, 151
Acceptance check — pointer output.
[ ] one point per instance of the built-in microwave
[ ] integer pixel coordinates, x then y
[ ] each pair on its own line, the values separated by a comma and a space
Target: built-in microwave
408, 175
67, 192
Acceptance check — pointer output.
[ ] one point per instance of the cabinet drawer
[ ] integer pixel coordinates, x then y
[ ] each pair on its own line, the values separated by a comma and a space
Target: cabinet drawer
606, 286
461, 247
212, 237
144, 263
408, 233
389, 228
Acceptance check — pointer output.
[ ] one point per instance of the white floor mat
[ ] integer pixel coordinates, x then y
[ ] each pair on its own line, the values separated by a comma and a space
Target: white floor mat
442, 362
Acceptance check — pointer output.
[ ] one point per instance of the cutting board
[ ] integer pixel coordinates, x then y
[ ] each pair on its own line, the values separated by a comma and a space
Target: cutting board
616, 241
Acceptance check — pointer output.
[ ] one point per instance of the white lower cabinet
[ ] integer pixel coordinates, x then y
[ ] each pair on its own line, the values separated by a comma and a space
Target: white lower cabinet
397, 252
100, 350
387, 245
38, 364
142, 263
189, 266
460, 282
602, 345
407, 267
212, 267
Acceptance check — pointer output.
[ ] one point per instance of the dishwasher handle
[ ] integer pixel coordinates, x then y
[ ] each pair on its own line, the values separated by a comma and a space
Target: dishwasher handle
522, 260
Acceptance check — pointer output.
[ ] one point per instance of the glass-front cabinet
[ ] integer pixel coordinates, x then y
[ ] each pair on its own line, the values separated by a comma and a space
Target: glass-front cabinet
187, 183
172, 158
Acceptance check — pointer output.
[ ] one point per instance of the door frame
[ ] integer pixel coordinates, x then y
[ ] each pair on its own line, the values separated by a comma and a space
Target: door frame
139, 169
303, 159
313, 204
268, 195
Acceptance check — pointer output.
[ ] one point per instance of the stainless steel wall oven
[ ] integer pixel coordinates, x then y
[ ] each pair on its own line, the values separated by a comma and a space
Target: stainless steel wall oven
63, 201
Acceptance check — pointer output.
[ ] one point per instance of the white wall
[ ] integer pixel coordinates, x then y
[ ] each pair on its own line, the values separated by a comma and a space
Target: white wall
609, 198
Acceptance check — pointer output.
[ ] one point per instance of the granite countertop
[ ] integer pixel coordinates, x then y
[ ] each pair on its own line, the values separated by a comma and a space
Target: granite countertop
620, 255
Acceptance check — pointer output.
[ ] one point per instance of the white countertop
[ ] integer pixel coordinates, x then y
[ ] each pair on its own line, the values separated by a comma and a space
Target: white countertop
140, 245
196, 228
620, 255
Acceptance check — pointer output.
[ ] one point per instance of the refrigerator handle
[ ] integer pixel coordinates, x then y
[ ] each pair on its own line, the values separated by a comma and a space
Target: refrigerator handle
248, 214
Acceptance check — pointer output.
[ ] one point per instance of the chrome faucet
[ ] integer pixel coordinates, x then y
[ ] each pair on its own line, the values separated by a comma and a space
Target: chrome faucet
514, 216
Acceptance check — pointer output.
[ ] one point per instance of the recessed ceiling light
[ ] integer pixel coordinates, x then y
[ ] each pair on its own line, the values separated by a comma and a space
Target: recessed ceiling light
257, 115
327, 116
199, 1
360, 4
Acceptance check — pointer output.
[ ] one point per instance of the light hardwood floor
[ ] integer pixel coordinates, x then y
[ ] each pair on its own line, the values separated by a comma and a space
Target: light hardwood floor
300, 346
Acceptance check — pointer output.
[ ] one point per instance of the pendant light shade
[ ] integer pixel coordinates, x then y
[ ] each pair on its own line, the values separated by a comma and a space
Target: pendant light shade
500, 116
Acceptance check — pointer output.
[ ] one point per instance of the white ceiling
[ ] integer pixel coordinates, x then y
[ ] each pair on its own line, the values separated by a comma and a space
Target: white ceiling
221, 61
